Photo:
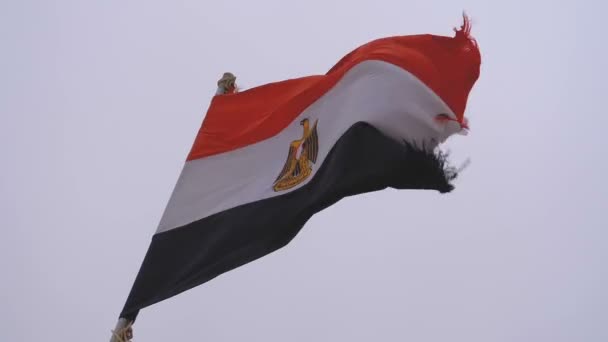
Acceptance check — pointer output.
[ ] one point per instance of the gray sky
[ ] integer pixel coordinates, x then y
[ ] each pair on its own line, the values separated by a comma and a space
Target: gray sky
100, 102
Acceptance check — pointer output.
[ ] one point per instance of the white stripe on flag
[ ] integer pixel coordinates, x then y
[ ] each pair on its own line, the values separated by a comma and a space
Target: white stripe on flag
380, 93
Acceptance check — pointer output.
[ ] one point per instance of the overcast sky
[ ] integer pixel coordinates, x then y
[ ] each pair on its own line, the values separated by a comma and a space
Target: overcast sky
100, 102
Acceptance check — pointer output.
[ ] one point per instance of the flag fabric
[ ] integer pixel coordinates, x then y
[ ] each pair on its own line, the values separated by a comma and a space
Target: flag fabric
266, 159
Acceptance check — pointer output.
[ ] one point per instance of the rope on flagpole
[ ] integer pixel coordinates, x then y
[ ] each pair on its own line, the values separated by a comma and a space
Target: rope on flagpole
123, 331
227, 84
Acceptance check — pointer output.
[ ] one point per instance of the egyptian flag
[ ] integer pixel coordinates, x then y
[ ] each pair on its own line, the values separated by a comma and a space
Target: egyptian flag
268, 158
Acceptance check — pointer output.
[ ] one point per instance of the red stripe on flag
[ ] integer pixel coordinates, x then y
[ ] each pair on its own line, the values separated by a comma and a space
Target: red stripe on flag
448, 66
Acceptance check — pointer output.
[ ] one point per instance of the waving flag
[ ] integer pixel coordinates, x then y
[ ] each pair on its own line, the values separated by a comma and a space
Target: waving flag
266, 159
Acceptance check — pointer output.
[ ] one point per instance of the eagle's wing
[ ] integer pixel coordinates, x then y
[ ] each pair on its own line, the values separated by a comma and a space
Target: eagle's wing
290, 156
311, 144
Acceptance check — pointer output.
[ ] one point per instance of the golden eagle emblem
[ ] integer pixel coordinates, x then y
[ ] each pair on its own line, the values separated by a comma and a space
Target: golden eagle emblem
302, 154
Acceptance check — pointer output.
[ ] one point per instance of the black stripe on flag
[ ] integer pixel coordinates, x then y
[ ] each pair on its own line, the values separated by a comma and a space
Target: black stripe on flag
362, 160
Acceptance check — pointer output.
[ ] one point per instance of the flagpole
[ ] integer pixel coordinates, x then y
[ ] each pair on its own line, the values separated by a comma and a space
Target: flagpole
123, 331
